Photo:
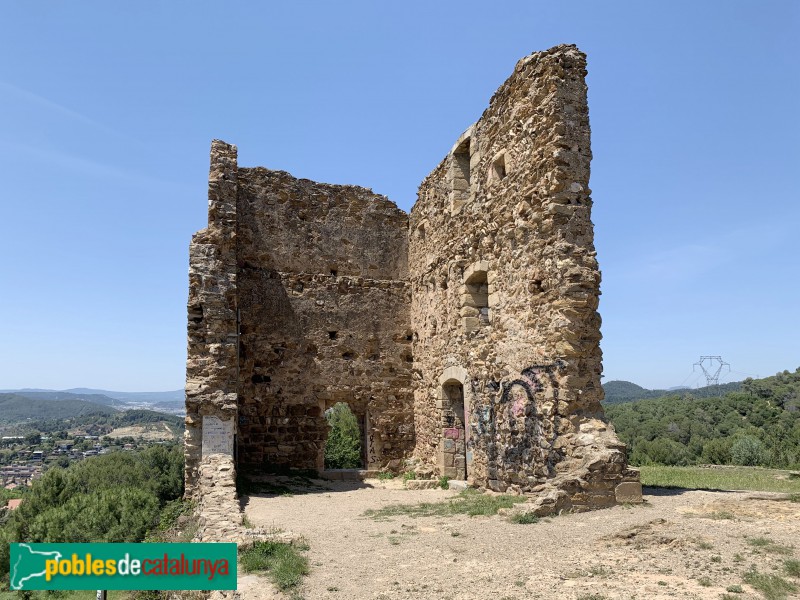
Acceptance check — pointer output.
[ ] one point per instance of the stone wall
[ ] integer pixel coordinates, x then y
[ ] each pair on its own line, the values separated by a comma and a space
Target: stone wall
464, 337
212, 363
324, 318
505, 286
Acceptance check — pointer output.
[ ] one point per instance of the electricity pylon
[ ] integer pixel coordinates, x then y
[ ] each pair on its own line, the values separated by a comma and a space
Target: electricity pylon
712, 376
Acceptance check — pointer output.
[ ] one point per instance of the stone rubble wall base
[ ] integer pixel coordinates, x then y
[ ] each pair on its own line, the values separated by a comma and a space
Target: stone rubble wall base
219, 513
422, 484
581, 492
594, 475
221, 518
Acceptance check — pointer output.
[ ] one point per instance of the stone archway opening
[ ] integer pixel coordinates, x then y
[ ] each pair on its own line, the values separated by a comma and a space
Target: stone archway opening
453, 453
345, 446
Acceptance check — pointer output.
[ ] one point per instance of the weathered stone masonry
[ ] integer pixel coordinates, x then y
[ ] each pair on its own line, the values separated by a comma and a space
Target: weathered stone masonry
465, 336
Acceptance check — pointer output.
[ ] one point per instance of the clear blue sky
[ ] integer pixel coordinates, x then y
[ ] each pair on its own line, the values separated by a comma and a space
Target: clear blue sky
108, 110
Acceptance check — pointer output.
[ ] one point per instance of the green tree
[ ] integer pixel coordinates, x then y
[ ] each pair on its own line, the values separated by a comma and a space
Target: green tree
766, 410
717, 451
116, 515
343, 447
748, 451
111, 498
662, 451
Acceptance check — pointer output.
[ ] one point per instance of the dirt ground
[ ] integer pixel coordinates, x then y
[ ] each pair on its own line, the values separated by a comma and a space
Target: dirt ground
678, 544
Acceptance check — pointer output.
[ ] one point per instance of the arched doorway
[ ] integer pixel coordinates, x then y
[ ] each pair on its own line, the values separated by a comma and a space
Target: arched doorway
453, 455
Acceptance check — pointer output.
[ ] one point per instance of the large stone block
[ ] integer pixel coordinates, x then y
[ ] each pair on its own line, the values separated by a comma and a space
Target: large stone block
628, 492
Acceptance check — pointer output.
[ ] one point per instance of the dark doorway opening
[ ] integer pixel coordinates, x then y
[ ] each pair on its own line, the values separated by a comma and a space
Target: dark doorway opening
454, 444
344, 447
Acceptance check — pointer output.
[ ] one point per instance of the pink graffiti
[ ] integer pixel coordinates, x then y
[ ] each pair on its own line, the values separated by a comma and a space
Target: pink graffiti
452, 433
519, 399
518, 408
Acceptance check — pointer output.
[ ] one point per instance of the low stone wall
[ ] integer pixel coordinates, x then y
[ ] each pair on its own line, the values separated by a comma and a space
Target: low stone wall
219, 513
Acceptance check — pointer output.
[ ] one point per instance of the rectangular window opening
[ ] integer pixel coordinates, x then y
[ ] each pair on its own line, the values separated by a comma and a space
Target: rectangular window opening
461, 159
499, 167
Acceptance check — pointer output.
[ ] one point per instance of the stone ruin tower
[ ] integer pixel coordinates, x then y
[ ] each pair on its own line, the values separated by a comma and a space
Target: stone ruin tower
464, 336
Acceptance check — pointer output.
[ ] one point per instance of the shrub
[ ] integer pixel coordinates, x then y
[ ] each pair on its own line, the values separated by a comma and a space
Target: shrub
748, 451
122, 515
717, 451
662, 451
525, 518
343, 447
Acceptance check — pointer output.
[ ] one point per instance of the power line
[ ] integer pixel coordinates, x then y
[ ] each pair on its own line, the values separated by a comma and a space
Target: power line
712, 374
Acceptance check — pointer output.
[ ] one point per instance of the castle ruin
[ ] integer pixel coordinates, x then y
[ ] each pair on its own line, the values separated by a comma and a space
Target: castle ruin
464, 336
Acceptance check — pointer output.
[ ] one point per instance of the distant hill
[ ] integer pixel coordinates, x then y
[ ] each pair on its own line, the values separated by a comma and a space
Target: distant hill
624, 391
170, 402
153, 397
22, 414
756, 424
15, 408
53, 395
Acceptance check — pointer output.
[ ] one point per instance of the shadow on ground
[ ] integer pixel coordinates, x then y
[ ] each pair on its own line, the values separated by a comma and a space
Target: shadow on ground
676, 491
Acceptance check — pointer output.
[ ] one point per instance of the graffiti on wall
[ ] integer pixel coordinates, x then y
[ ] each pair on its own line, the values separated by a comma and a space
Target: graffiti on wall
511, 423
372, 454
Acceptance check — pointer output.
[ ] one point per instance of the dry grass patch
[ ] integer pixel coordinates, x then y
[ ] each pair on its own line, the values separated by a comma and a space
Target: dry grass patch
469, 502
772, 587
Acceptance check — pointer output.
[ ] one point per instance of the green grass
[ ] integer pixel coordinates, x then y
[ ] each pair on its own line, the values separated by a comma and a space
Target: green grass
469, 502
525, 518
792, 567
768, 545
735, 589
772, 587
728, 478
283, 562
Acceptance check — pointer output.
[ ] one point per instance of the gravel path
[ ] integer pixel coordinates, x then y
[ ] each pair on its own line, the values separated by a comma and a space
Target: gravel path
679, 544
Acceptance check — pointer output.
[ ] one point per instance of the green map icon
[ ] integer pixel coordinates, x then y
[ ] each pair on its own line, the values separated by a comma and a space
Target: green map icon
28, 564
